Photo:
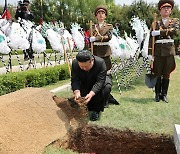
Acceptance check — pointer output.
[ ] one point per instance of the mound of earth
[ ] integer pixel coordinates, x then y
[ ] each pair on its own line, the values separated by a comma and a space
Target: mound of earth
30, 120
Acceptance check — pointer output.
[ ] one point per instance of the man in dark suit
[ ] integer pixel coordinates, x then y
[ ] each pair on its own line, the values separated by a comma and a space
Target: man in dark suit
89, 80
164, 49
23, 12
102, 34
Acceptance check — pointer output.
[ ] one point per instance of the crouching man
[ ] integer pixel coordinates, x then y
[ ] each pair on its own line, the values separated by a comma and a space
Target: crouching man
89, 81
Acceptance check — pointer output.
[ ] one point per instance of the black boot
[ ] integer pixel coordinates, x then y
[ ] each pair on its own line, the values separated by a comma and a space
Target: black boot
165, 85
158, 90
95, 116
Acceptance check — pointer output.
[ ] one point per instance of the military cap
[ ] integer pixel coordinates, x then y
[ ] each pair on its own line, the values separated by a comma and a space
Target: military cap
26, 1
84, 56
101, 8
163, 3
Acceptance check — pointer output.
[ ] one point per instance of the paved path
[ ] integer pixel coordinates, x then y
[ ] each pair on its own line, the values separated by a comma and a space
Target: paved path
64, 87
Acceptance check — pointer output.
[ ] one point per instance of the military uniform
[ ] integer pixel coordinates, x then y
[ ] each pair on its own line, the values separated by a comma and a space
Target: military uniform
101, 46
164, 48
101, 35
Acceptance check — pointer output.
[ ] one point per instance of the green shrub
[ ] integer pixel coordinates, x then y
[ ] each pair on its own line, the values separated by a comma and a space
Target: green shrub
32, 78
11, 82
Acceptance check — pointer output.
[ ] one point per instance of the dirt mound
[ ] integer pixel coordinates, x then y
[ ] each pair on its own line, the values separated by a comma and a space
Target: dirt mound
30, 120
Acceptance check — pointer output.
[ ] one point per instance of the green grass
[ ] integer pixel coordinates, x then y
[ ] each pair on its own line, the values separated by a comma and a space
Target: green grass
53, 150
138, 111
58, 84
14, 62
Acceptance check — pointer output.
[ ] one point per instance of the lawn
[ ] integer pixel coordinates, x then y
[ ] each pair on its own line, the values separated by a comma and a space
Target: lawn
138, 111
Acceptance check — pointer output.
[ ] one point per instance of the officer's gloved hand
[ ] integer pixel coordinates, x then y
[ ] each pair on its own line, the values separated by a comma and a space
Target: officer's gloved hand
155, 32
150, 58
92, 39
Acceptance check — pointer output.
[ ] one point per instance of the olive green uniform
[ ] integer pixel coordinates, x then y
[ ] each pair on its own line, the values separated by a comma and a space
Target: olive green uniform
100, 47
164, 48
164, 52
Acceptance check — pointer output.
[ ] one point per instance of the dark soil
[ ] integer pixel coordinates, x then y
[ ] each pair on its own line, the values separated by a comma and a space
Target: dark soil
103, 140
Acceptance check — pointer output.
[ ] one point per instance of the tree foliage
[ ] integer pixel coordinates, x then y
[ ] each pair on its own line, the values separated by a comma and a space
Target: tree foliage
82, 11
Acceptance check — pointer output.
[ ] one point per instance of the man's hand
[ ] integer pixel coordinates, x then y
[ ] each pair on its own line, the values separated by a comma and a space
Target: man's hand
77, 94
89, 96
92, 39
155, 32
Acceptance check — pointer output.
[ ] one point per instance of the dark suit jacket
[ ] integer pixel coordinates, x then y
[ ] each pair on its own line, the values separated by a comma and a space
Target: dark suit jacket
92, 80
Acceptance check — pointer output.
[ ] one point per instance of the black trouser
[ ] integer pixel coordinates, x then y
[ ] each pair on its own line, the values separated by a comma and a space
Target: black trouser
161, 87
165, 85
107, 88
98, 101
158, 86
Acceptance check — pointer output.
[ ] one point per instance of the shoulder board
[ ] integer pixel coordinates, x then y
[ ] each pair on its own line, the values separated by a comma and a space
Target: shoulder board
175, 19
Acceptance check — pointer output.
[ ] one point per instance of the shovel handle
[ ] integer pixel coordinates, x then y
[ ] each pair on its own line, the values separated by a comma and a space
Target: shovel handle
153, 38
91, 34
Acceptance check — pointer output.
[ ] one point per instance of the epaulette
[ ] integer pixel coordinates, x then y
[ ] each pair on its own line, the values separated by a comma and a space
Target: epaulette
175, 19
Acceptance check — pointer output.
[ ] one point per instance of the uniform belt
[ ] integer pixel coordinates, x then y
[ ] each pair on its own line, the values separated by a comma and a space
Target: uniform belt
165, 41
101, 43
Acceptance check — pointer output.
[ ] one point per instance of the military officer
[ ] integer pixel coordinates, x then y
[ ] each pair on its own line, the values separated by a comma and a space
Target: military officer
101, 34
164, 49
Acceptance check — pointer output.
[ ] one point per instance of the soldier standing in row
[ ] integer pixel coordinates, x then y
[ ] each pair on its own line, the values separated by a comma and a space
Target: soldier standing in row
164, 49
101, 35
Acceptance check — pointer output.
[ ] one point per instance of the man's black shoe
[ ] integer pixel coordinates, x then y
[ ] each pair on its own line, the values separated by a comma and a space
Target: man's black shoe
112, 100
94, 116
